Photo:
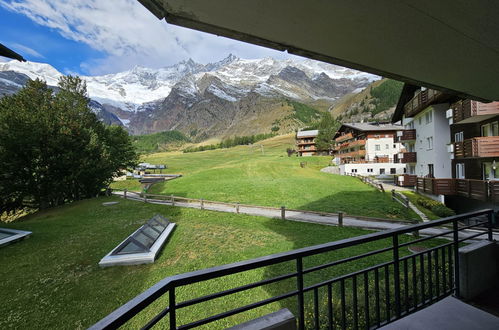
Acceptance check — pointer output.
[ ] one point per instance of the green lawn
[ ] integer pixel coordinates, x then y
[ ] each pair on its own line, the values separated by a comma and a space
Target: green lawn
244, 174
52, 280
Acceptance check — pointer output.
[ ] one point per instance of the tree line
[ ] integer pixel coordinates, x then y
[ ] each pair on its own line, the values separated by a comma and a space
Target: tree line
232, 142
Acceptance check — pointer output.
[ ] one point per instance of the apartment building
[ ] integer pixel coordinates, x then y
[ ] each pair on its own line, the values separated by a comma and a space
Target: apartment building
451, 146
368, 149
306, 143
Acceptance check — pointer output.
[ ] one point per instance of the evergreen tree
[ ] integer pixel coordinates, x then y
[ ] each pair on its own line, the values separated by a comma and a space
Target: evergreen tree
54, 149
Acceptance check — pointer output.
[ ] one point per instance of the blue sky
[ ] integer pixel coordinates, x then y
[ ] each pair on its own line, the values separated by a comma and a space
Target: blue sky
94, 37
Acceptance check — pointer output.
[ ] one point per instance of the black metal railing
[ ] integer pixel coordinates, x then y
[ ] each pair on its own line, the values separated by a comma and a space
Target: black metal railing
368, 296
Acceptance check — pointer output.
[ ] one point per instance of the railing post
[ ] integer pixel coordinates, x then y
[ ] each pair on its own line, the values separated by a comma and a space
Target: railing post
396, 273
124, 193
456, 257
145, 197
393, 194
237, 208
202, 204
340, 219
283, 213
491, 223
172, 311
299, 285
172, 198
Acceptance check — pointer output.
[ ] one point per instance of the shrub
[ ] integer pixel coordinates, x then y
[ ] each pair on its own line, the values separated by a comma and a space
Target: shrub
442, 211
428, 203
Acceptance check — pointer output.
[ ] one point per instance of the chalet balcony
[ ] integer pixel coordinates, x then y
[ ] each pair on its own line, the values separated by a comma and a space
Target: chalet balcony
406, 135
353, 154
352, 144
477, 147
405, 158
405, 180
309, 149
344, 137
468, 111
475, 189
422, 100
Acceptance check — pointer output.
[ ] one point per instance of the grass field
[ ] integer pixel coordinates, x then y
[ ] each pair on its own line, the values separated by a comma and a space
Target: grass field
52, 280
247, 175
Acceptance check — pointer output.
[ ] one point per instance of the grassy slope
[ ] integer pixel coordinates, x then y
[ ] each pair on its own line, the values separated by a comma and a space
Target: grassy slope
52, 279
242, 174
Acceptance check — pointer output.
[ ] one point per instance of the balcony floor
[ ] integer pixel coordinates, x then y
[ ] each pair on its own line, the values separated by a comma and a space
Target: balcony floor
448, 314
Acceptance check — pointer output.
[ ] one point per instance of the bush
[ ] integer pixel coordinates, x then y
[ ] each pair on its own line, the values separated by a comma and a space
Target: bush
428, 203
442, 211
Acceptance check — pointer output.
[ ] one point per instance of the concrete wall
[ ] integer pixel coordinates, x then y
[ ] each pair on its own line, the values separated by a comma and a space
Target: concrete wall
477, 268
439, 129
362, 169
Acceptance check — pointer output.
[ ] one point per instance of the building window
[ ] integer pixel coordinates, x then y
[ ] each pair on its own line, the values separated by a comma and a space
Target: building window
387, 146
420, 120
459, 137
431, 171
394, 146
381, 171
377, 147
460, 171
490, 171
354, 170
393, 170
369, 170
429, 117
490, 129
430, 142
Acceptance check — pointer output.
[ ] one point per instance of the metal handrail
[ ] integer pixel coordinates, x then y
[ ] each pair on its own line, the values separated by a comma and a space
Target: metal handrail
140, 302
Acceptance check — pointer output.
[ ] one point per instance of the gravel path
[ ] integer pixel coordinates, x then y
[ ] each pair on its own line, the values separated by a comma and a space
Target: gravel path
302, 216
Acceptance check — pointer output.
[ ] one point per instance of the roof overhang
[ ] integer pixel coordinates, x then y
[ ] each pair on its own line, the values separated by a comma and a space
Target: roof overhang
6, 52
448, 45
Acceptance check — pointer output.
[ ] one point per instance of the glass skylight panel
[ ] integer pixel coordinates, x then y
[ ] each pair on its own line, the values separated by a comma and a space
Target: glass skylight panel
8, 236
131, 247
143, 245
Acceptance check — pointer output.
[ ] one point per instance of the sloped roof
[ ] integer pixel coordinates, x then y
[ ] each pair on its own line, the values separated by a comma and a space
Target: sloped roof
307, 133
372, 127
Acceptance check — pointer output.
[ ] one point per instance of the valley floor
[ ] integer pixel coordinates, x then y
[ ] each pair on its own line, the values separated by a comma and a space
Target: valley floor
263, 174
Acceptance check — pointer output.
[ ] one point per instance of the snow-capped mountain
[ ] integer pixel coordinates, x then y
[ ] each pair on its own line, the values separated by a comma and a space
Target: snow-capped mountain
145, 99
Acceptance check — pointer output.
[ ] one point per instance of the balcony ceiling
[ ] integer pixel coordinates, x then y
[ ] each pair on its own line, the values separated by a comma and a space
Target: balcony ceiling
450, 45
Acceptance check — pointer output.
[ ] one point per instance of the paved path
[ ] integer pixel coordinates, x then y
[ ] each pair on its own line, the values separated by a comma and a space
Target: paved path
302, 216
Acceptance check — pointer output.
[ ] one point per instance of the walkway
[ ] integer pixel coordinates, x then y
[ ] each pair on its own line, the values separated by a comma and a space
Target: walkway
302, 216
447, 314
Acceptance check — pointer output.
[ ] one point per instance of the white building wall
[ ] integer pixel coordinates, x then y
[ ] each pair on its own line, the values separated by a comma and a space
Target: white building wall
439, 130
371, 169
371, 152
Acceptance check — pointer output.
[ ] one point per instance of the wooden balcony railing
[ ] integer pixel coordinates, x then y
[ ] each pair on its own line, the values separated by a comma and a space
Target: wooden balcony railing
477, 147
422, 100
405, 157
465, 109
406, 135
405, 180
344, 137
312, 148
475, 189
352, 144
353, 154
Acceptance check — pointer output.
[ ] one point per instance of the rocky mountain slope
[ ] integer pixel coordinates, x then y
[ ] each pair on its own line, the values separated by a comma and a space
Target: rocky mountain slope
231, 97
376, 102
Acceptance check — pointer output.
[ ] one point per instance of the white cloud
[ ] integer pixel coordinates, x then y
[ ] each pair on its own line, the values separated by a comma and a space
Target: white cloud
129, 34
26, 50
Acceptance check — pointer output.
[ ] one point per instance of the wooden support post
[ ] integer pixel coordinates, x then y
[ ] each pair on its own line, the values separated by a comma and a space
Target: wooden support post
283, 213
237, 208
340, 219
393, 194
145, 197
124, 193
202, 204
172, 198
